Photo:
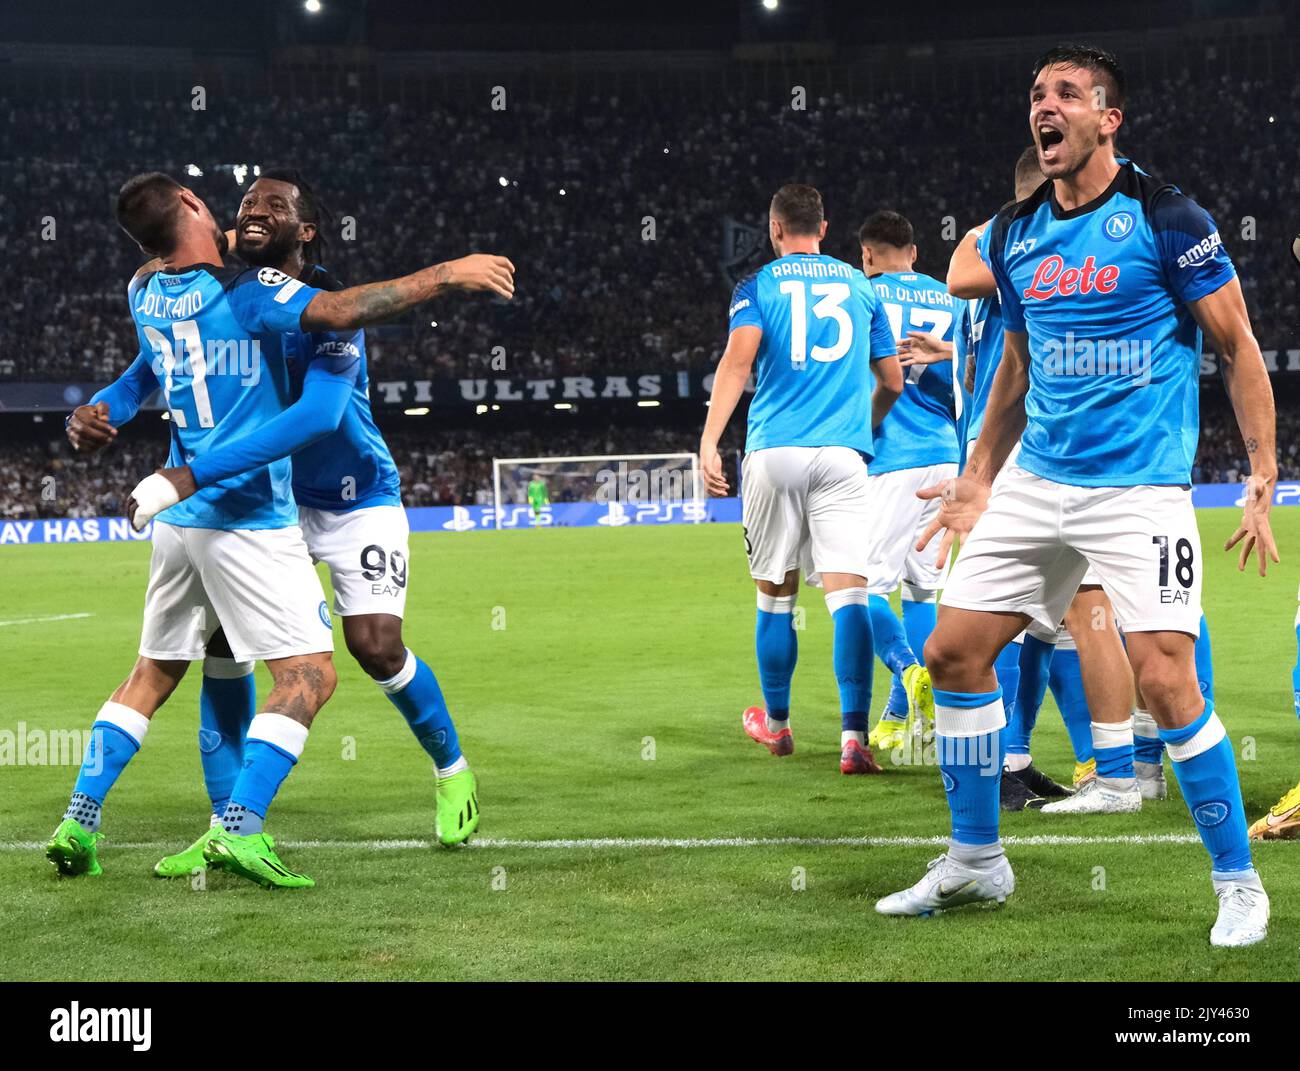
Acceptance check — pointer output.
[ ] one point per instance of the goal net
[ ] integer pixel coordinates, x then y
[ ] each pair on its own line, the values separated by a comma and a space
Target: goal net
627, 479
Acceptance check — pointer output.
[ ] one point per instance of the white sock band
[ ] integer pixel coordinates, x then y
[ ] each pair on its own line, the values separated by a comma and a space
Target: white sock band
1144, 725
1207, 736
403, 676
1116, 734
777, 604
225, 669
911, 593
279, 730
969, 721
835, 600
131, 722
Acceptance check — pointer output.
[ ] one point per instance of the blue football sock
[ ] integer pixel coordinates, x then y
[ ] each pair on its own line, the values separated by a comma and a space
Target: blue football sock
1035, 657
415, 692
1007, 669
896, 704
1147, 745
888, 637
1205, 662
115, 737
1295, 673
227, 703
777, 646
1066, 681
271, 750
1206, 768
1112, 747
919, 614
968, 732
854, 656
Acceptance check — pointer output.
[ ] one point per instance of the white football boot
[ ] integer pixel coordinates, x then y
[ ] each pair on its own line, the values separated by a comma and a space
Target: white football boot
1094, 797
948, 883
1243, 913
1151, 780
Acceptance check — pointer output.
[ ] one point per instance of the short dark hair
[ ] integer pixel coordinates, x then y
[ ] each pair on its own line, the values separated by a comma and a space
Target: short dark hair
311, 209
1028, 169
887, 228
1104, 66
799, 208
147, 209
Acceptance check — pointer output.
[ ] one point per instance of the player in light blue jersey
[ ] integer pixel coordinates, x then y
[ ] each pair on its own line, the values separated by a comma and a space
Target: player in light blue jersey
1107, 279
916, 446
229, 555
813, 332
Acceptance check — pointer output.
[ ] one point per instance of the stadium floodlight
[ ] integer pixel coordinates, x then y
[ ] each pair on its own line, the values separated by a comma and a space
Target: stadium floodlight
625, 479
312, 7
771, 5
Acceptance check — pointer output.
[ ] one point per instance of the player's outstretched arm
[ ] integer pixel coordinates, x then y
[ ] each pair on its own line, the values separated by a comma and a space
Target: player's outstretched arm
963, 499
357, 306
968, 275
314, 415
92, 426
1223, 317
728, 385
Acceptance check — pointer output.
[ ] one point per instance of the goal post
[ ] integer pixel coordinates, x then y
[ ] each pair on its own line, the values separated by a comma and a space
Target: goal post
622, 478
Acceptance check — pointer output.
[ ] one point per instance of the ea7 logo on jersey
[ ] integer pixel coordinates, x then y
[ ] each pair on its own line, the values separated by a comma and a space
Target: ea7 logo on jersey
271, 277
1052, 277
1201, 252
1025, 245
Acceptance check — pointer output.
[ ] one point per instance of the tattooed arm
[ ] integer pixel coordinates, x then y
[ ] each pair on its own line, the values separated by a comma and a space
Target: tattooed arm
358, 306
1223, 317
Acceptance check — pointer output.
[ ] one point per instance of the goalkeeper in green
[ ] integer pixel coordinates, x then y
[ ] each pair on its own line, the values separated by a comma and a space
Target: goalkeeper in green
538, 499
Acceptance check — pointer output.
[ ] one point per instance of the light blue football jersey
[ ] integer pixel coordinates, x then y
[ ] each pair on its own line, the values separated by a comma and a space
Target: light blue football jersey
1114, 352
921, 427
822, 327
983, 339
352, 467
215, 339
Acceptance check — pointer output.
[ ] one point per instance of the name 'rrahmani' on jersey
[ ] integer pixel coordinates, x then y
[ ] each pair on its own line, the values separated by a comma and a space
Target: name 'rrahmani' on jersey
822, 327
1114, 353
920, 428
215, 335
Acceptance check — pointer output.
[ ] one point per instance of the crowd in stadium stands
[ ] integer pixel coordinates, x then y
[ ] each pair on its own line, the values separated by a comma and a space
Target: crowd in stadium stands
612, 209
454, 467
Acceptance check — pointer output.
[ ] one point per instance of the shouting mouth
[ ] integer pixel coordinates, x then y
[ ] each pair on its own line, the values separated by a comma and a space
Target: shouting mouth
1049, 141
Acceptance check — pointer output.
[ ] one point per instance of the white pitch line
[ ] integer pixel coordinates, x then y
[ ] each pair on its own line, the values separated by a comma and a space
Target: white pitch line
614, 843
38, 620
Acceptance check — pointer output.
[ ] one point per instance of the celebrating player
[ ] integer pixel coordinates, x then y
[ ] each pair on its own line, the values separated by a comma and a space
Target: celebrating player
915, 447
816, 332
232, 554
1104, 276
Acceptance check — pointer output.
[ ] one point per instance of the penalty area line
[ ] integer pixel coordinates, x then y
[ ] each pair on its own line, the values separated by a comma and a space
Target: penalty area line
616, 843
41, 620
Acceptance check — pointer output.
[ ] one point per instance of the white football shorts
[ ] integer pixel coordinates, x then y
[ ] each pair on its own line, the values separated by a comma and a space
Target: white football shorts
897, 520
258, 585
805, 507
1031, 549
368, 554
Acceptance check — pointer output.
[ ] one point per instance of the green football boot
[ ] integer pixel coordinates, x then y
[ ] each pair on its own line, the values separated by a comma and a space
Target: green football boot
252, 856
72, 850
458, 811
183, 864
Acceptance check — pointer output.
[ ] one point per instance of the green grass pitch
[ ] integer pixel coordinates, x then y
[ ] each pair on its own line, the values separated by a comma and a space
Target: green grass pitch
597, 678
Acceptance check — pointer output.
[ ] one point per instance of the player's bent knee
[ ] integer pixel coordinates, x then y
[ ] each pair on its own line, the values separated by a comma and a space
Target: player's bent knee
375, 641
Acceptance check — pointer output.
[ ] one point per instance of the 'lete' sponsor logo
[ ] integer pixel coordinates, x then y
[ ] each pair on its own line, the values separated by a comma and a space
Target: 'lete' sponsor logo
1052, 277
